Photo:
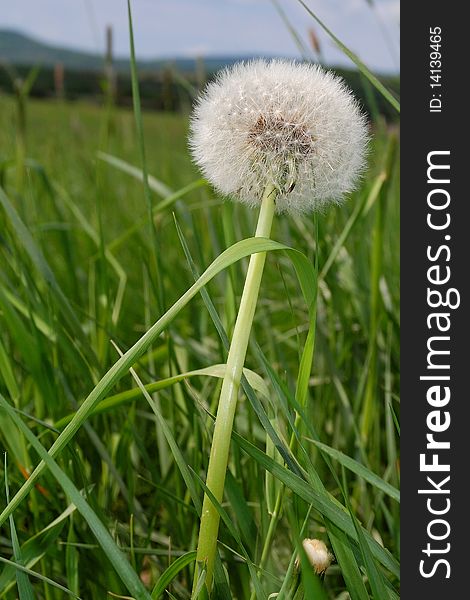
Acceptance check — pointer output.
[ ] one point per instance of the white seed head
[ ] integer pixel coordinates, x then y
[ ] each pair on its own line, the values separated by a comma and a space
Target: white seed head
318, 555
292, 125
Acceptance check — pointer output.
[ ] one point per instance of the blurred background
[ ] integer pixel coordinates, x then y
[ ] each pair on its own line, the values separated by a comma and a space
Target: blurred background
80, 48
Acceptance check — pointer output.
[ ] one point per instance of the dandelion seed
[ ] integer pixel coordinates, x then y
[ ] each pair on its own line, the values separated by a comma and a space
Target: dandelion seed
287, 113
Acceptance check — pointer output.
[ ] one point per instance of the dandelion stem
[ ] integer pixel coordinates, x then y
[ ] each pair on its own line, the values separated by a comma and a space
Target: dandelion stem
218, 460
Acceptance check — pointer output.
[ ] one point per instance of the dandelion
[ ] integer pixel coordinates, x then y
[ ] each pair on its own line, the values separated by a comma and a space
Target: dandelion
290, 125
286, 137
318, 555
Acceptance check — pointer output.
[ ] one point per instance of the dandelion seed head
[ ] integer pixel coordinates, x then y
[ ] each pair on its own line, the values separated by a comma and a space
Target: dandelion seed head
318, 555
292, 125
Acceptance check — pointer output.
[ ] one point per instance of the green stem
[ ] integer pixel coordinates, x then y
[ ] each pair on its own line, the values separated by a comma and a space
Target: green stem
218, 460
276, 513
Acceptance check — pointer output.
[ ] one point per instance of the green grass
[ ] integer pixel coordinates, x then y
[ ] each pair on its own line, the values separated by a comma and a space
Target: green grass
82, 269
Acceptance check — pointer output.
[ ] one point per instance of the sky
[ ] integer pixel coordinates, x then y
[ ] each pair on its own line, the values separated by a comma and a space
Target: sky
174, 28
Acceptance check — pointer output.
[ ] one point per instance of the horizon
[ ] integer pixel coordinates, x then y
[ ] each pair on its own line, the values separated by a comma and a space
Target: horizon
162, 57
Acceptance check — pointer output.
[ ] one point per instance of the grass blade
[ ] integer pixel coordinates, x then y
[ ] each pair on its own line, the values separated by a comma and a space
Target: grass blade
228, 257
114, 554
178, 456
40, 263
320, 501
143, 157
28, 572
359, 469
347, 562
25, 589
35, 548
113, 402
377, 585
167, 577
153, 183
356, 60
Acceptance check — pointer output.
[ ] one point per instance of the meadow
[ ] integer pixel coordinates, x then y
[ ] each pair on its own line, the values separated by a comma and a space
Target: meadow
89, 262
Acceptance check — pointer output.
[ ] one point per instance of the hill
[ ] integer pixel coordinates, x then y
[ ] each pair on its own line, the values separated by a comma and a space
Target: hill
19, 49
166, 84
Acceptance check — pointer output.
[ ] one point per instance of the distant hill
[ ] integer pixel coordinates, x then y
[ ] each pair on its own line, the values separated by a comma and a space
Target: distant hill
19, 49
165, 84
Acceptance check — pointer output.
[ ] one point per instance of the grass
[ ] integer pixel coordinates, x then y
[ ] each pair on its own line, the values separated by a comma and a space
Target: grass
113, 509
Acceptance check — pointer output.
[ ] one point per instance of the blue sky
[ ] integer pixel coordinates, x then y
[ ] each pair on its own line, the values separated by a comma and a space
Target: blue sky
213, 27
